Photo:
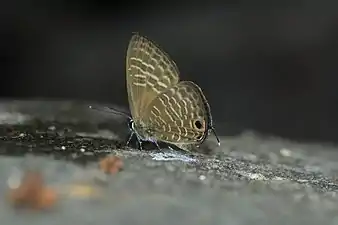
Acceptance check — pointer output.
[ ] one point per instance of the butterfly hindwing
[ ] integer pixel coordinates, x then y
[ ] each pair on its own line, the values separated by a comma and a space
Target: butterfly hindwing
180, 115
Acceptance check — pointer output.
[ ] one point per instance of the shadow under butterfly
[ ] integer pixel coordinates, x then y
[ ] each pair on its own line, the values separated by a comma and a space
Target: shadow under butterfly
163, 108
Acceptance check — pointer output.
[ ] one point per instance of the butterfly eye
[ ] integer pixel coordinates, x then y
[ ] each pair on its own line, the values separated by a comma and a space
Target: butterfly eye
198, 124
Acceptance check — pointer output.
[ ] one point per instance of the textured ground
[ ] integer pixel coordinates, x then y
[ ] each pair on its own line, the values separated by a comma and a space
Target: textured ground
250, 179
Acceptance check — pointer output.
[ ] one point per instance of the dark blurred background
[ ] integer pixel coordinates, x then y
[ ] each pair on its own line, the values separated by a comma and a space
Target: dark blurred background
270, 66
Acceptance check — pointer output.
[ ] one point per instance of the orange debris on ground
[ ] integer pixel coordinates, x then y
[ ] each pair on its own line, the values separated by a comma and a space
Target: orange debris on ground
32, 193
111, 164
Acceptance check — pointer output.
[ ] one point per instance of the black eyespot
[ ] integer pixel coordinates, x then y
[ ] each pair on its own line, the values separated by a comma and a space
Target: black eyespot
198, 124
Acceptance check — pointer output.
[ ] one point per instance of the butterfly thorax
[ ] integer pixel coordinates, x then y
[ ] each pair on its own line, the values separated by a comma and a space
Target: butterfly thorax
143, 131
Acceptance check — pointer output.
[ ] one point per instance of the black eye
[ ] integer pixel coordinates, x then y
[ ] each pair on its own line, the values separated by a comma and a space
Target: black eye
131, 124
198, 124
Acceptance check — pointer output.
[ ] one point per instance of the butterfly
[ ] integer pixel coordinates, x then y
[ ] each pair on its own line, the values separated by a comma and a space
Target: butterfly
163, 108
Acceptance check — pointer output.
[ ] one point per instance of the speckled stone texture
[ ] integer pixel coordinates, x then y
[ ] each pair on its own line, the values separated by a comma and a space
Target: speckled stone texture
249, 179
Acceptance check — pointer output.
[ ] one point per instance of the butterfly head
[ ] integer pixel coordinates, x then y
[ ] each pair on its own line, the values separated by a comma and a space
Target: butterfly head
131, 124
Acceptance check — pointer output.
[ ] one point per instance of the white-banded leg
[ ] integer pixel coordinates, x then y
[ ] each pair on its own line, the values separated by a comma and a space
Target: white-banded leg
139, 142
130, 136
158, 147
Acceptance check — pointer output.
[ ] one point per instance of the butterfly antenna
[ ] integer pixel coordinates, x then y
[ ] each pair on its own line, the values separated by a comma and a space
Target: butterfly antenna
110, 110
214, 131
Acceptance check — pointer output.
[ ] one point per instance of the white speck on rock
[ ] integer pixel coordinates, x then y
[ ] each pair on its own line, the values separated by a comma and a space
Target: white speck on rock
52, 128
202, 177
168, 156
253, 176
278, 178
302, 181
285, 152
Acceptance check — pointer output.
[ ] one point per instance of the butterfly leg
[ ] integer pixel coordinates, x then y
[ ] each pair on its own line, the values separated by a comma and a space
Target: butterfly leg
129, 139
158, 147
139, 143
138, 140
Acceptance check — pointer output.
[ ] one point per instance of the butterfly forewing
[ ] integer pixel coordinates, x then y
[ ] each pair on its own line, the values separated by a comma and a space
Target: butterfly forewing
180, 115
150, 71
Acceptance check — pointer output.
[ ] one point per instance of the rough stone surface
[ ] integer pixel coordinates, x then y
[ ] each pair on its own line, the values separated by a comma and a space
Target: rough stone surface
249, 179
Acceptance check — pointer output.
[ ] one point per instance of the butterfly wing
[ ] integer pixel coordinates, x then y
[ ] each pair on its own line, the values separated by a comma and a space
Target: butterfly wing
150, 71
180, 115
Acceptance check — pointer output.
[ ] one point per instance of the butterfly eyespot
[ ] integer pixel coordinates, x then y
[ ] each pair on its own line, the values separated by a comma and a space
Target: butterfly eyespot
198, 124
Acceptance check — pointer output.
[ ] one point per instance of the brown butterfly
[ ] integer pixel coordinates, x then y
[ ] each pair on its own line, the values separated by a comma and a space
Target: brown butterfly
163, 108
